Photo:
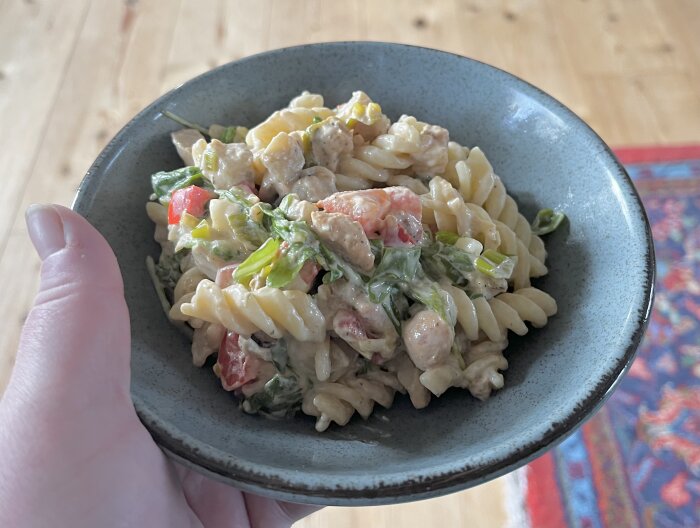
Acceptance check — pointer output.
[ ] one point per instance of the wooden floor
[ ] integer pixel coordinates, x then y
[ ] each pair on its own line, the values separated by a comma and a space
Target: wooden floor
73, 72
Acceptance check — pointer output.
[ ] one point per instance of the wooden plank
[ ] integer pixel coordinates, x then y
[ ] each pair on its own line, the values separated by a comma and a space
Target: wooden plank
480, 507
37, 41
73, 75
85, 115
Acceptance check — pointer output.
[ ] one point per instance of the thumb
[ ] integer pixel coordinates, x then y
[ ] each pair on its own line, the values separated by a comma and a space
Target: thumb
76, 337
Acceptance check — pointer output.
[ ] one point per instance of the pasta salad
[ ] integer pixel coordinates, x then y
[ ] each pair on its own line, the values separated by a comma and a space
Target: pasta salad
328, 258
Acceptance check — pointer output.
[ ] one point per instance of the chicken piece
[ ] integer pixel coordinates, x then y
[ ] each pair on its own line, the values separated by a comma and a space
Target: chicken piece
364, 116
284, 159
428, 339
431, 159
183, 141
296, 209
224, 164
314, 184
358, 321
330, 140
345, 236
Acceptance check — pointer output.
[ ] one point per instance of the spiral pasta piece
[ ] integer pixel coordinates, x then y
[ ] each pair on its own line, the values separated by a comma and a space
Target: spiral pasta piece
409, 377
445, 210
455, 153
408, 143
335, 352
506, 311
183, 293
482, 375
338, 401
478, 184
286, 120
270, 310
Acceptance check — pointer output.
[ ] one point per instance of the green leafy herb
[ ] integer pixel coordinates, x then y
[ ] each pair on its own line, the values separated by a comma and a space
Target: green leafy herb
396, 307
280, 396
182, 121
317, 119
164, 183
441, 259
397, 268
495, 264
377, 246
547, 221
223, 249
237, 196
287, 267
168, 269
242, 223
279, 354
260, 258
398, 274
432, 296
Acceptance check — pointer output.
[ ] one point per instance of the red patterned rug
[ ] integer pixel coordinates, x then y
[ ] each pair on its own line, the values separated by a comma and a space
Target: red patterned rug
637, 461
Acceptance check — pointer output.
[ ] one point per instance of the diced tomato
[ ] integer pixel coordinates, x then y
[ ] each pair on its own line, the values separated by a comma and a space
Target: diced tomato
405, 200
224, 276
233, 366
377, 359
348, 325
309, 271
191, 199
401, 229
393, 213
368, 207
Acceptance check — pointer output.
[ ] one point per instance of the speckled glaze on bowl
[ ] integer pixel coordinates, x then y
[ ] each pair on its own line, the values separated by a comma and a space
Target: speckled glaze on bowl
601, 273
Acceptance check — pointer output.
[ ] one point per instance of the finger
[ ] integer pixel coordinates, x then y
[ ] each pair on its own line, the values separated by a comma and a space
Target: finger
264, 513
78, 328
218, 504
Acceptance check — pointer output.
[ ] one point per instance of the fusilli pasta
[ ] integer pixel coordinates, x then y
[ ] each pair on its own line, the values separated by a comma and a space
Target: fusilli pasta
270, 310
332, 258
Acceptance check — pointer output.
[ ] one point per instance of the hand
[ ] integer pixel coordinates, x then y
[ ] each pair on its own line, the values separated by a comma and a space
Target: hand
73, 451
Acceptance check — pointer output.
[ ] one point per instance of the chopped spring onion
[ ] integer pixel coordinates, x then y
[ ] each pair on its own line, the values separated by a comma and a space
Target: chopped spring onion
237, 219
202, 230
316, 119
447, 237
189, 220
495, 264
546, 221
211, 161
286, 268
260, 258
229, 134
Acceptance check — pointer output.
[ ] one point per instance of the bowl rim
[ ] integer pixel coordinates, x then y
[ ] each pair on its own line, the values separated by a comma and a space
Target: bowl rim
429, 484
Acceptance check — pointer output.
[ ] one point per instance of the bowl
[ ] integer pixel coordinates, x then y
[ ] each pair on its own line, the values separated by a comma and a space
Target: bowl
601, 274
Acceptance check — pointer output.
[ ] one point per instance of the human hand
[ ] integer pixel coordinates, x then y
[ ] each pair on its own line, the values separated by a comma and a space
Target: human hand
74, 453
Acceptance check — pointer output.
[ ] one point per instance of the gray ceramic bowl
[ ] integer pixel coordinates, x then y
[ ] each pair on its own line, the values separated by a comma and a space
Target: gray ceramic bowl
601, 273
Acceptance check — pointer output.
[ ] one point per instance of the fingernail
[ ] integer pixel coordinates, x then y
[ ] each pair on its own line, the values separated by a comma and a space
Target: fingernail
45, 229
